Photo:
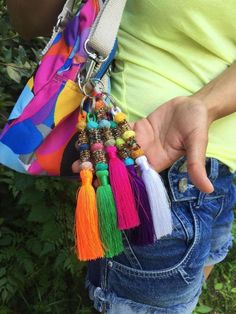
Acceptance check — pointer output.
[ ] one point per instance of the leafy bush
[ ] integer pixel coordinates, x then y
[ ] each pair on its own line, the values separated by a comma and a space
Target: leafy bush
39, 272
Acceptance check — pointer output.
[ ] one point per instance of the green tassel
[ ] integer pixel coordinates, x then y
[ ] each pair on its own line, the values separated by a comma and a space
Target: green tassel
109, 232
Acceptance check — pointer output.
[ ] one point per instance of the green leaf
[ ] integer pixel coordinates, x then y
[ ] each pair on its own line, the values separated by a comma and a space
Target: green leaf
4, 295
40, 213
3, 281
203, 309
2, 272
233, 290
51, 231
218, 286
14, 74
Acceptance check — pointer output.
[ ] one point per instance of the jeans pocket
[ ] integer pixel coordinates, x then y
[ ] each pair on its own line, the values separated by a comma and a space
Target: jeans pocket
213, 206
169, 251
161, 264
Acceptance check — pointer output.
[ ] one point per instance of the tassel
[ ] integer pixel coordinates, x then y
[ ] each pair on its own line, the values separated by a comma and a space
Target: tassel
157, 195
119, 179
110, 234
158, 198
88, 243
144, 233
125, 203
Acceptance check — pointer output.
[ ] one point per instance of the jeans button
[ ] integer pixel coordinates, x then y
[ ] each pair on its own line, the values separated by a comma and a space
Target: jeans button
183, 167
183, 185
110, 264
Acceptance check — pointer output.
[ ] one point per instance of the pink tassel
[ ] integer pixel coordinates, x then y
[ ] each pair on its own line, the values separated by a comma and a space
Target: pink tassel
125, 202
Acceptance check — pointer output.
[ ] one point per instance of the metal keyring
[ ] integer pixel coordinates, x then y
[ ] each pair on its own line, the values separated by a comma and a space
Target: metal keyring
113, 105
92, 81
93, 55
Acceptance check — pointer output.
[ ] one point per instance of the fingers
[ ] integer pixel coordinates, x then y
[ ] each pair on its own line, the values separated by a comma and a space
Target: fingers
131, 124
196, 151
76, 166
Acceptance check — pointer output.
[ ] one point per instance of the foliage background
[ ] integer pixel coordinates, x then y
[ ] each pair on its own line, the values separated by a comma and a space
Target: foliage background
38, 270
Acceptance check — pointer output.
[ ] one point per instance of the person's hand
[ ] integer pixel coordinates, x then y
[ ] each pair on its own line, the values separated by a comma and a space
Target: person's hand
178, 127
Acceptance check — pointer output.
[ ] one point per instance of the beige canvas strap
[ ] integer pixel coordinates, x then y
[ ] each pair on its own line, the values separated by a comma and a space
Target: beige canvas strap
104, 31
103, 34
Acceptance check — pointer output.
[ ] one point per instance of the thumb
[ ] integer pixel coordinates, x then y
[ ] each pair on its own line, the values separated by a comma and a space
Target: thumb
131, 124
196, 152
76, 166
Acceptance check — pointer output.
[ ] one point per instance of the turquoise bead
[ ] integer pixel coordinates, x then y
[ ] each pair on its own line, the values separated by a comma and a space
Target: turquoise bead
104, 124
129, 161
113, 124
101, 166
92, 125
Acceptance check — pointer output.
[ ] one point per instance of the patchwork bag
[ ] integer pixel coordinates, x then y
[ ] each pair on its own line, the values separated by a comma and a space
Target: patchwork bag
65, 118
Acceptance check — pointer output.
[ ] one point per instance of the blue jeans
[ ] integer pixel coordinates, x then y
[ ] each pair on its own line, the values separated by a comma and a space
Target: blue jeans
167, 277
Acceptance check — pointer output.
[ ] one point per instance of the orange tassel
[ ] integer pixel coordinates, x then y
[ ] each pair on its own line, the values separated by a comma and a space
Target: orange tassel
87, 238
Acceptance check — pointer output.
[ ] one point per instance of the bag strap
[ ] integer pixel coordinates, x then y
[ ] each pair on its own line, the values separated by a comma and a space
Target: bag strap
101, 39
104, 31
66, 13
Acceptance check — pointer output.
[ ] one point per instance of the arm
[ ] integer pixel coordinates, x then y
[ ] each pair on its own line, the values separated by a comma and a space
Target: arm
33, 18
180, 127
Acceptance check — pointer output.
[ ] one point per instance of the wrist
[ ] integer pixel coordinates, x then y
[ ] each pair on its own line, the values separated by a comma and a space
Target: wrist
197, 103
212, 106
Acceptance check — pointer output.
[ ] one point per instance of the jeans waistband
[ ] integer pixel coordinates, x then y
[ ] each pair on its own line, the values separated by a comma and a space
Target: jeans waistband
181, 188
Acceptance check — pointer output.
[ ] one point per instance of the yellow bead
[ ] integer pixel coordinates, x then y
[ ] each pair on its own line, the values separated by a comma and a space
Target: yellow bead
137, 153
81, 125
119, 141
128, 134
119, 117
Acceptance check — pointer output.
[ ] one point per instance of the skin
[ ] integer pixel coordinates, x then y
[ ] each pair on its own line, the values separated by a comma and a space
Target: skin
176, 128
33, 18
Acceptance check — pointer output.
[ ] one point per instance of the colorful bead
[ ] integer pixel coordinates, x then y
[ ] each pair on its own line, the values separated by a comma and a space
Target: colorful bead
136, 153
119, 117
86, 165
96, 146
113, 124
82, 147
131, 143
99, 104
110, 142
101, 166
84, 155
92, 125
128, 134
123, 151
129, 161
119, 141
104, 124
107, 134
81, 125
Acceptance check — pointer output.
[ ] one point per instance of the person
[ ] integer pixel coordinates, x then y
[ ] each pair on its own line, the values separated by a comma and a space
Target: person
174, 75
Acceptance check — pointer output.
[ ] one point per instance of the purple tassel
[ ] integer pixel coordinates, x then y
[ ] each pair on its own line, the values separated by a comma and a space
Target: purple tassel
144, 233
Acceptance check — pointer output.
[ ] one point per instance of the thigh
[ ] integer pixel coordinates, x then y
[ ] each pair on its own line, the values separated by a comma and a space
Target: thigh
221, 238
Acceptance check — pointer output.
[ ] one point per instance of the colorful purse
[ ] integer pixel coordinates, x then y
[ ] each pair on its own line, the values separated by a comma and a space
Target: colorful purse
65, 117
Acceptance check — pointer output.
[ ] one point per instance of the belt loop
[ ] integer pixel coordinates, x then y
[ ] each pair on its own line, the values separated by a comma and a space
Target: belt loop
213, 164
214, 169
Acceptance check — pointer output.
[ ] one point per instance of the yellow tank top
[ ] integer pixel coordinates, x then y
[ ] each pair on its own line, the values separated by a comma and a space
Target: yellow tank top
170, 48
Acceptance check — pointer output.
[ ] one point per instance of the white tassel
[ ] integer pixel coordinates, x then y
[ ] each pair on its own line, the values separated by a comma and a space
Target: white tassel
158, 198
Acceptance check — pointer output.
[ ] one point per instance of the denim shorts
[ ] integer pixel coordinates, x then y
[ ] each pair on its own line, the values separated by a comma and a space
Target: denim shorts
167, 277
